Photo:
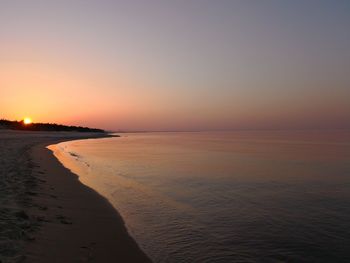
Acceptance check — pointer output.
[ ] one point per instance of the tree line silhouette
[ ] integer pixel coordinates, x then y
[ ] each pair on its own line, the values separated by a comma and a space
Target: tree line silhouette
19, 125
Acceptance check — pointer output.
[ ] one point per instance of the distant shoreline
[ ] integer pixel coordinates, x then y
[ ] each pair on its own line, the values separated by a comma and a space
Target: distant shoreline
52, 127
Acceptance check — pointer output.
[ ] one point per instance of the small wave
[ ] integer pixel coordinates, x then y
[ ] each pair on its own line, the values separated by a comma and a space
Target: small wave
74, 155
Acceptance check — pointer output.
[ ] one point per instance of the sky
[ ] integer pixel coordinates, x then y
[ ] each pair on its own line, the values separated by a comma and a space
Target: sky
177, 65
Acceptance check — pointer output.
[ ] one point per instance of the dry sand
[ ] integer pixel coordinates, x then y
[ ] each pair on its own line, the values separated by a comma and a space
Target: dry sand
47, 215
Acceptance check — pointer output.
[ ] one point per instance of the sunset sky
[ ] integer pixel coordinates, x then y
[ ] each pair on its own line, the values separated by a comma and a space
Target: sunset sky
183, 65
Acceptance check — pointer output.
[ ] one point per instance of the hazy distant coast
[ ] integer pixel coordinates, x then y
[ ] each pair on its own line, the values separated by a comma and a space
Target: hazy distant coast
21, 125
47, 215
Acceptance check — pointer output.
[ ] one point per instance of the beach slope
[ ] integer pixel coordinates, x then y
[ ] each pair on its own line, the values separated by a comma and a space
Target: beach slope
47, 215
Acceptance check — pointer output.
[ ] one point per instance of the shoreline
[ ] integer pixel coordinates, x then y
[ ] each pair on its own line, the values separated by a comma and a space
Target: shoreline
68, 221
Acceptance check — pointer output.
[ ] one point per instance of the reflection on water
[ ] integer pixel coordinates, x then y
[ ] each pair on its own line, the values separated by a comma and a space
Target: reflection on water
225, 197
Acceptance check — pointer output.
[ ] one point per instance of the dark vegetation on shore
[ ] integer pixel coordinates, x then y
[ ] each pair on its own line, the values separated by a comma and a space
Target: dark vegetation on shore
19, 125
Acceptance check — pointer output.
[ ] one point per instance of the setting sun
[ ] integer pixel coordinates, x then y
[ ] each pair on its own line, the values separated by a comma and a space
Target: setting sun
27, 121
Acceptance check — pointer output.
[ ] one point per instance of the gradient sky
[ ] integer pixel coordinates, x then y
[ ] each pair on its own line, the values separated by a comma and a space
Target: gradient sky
219, 64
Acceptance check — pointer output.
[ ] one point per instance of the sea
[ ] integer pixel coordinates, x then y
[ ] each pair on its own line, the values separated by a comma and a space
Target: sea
243, 196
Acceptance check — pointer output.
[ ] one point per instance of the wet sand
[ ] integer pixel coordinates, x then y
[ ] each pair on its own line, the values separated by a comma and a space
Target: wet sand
47, 215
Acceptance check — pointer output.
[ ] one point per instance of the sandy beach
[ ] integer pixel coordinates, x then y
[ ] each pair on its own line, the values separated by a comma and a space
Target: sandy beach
47, 215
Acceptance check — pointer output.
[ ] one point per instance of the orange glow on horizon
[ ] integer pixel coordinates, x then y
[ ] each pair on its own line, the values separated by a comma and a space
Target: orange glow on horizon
27, 121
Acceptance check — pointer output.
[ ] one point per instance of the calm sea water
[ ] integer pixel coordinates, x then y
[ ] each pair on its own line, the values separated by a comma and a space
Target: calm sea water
225, 197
